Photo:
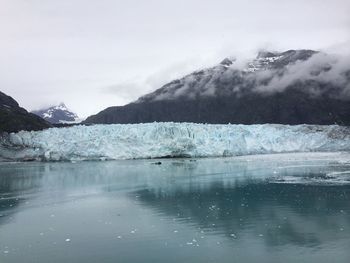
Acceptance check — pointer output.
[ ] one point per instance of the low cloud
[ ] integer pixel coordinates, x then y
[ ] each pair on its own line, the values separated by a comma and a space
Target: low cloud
321, 67
319, 73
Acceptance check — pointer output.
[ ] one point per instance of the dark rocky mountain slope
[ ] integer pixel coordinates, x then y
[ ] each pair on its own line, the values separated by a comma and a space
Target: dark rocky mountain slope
292, 87
13, 118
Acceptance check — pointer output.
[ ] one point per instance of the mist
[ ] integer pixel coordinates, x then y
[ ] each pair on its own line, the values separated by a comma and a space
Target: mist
332, 69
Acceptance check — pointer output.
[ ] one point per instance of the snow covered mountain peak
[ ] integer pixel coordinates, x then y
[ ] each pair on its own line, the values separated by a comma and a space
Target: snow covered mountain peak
61, 106
57, 114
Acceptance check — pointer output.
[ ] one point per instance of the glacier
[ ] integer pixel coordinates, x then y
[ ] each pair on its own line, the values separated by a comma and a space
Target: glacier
159, 140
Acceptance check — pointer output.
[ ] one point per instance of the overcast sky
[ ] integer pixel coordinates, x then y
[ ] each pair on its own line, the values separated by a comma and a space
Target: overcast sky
92, 54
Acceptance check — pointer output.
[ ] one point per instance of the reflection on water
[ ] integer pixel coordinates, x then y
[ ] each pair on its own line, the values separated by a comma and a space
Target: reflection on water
281, 208
279, 213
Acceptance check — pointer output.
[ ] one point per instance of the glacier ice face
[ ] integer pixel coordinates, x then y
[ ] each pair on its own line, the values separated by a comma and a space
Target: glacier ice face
153, 140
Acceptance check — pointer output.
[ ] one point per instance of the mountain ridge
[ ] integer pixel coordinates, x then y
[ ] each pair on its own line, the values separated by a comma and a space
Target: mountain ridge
57, 114
291, 87
13, 118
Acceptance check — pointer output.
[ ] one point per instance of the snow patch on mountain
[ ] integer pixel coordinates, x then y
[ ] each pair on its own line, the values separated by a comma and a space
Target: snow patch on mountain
58, 114
261, 63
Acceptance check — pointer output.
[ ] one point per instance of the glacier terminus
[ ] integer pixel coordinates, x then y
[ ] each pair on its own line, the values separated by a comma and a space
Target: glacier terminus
161, 140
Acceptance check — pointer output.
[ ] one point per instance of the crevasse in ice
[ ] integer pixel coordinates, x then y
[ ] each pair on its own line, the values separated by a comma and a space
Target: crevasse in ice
154, 140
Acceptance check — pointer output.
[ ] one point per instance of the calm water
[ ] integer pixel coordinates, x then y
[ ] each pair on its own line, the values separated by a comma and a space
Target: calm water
285, 208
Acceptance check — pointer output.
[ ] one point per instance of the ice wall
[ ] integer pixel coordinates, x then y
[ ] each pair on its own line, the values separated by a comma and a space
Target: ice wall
154, 140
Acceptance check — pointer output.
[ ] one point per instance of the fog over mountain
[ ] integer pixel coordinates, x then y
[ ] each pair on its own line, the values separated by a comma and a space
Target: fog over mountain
321, 67
291, 87
268, 73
